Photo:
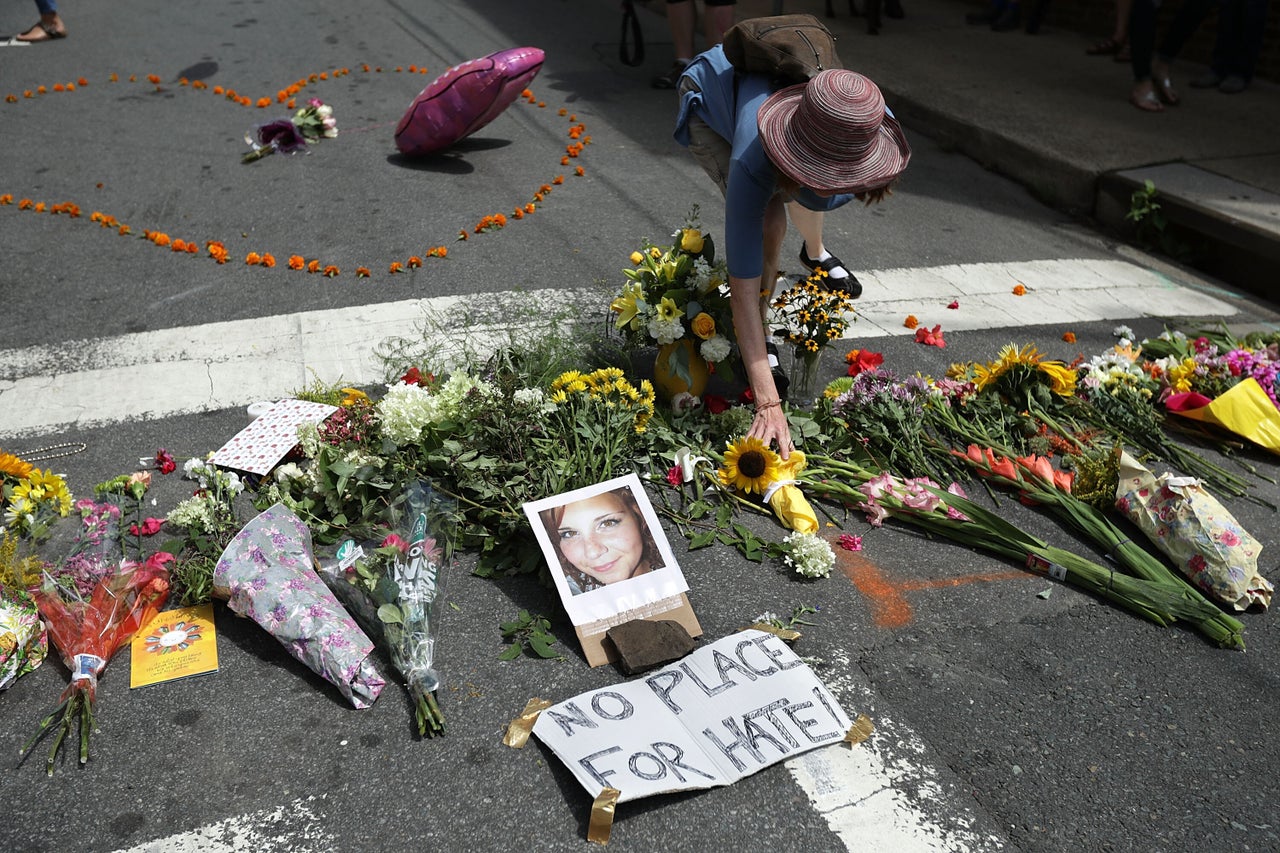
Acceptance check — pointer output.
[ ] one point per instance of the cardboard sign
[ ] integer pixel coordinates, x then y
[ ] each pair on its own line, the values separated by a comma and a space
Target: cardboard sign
610, 561
724, 712
262, 444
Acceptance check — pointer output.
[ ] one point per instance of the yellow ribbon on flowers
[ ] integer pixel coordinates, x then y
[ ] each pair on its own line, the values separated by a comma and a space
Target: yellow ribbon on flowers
1246, 410
788, 502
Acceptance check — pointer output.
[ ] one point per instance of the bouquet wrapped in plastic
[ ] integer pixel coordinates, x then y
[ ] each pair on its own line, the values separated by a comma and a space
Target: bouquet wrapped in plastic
89, 629
392, 586
1196, 532
267, 574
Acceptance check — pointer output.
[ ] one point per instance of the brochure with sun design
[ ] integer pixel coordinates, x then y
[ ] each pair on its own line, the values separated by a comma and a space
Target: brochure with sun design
176, 644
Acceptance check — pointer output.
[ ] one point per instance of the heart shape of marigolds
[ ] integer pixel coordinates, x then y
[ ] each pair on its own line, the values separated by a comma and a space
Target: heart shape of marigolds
213, 247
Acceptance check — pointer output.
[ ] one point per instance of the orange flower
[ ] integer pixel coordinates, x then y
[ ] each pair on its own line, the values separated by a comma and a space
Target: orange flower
12, 99
413, 69
362, 272
268, 260
25, 204
518, 213
154, 79
82, 82
27, 93
563, 111
330, 271
1019, 290
564, 161
160, 239
296, 262
125, 229
41, 89
218, 90
396, 267
442, 251
415, 262
529, 208
462, 234
7, 198
313, 266
57, 87
559, 179
178, 245
911, 322
1069, 337
199, 84
263, 103
579, 171
114, 78
253, 259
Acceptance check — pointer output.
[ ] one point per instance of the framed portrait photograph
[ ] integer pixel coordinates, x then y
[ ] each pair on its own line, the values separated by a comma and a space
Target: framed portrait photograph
609, 557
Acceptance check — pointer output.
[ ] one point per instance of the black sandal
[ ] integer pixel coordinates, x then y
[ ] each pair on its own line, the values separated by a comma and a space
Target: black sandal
846, 284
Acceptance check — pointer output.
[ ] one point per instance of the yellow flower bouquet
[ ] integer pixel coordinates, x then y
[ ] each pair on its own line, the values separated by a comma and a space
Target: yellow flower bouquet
678, 293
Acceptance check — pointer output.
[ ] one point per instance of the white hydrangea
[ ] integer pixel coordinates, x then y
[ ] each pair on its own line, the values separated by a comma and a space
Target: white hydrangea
715, 348
406, 409
529, 396
703, 277
809, 554
665, 331
193, 513
289, 472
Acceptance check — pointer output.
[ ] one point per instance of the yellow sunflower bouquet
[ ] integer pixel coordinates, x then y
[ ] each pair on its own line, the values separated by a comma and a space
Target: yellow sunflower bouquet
751, 467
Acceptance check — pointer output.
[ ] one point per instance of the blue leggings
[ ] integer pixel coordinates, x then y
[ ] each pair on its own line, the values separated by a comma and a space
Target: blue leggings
47, 7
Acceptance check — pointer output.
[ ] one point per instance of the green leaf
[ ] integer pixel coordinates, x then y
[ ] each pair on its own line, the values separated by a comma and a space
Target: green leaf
541, 645
702, 540
511, 652
390, 614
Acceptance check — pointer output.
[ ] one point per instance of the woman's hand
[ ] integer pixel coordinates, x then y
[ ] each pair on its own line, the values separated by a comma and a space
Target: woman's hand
770, 425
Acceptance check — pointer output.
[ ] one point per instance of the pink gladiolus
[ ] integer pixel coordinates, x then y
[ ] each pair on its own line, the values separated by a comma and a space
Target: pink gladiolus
397, 542
675, 476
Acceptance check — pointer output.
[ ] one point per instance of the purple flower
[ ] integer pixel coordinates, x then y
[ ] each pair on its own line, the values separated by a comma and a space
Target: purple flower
282, 135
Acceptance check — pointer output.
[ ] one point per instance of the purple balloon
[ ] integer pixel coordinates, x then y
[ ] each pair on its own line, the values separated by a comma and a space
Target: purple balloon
466, 98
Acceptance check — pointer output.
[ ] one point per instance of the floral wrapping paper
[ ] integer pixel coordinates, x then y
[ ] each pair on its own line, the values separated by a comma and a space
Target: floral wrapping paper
1196, 532
267, 574
24, 642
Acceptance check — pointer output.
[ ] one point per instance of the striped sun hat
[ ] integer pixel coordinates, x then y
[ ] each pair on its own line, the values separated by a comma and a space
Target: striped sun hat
833, 135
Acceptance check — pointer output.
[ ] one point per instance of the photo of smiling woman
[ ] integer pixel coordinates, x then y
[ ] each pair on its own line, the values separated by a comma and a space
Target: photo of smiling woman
601, 540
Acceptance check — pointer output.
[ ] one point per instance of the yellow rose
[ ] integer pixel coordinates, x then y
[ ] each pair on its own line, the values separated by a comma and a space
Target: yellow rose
636, 258
691, 240
704, 326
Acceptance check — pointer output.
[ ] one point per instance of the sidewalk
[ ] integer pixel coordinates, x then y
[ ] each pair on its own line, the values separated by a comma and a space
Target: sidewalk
1041, 111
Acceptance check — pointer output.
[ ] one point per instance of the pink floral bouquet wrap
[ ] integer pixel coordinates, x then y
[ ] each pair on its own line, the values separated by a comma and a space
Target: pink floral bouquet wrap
1196, 532
267, 574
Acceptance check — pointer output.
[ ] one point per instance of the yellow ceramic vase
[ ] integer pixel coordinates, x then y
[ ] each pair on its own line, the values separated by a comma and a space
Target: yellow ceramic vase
669, 366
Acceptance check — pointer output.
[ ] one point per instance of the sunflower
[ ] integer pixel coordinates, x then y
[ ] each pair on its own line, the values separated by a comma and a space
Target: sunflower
1008, 358
12, 466
1062, 379
749, 466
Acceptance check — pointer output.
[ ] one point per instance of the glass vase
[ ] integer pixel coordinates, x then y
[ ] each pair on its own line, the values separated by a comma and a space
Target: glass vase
805, 384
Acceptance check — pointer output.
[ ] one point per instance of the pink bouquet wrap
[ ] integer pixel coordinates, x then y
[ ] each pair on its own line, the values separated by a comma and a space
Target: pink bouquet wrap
1196, 532
267, 574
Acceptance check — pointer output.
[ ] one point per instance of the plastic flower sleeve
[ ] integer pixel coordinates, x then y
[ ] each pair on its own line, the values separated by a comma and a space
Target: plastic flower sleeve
267, 574
24, 642
1196, 532
393, 587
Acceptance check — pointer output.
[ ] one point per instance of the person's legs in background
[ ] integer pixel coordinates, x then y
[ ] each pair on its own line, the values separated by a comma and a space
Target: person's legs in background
682, 21
1142, 45
1185, 22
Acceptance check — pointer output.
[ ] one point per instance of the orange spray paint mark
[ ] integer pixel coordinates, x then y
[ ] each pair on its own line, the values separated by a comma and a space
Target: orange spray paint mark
889, 606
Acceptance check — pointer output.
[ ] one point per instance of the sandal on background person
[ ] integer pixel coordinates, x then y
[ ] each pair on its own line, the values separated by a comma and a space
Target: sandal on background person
48, 28
1146, 100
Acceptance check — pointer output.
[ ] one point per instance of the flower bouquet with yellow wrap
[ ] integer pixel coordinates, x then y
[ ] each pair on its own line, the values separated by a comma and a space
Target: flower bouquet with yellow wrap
676, 297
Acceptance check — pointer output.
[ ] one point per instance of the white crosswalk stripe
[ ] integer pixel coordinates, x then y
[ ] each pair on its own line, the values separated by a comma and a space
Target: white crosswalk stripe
222, 365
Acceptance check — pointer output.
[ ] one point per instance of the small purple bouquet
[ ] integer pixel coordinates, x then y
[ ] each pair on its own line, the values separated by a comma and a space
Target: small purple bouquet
267, 574
310, 124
